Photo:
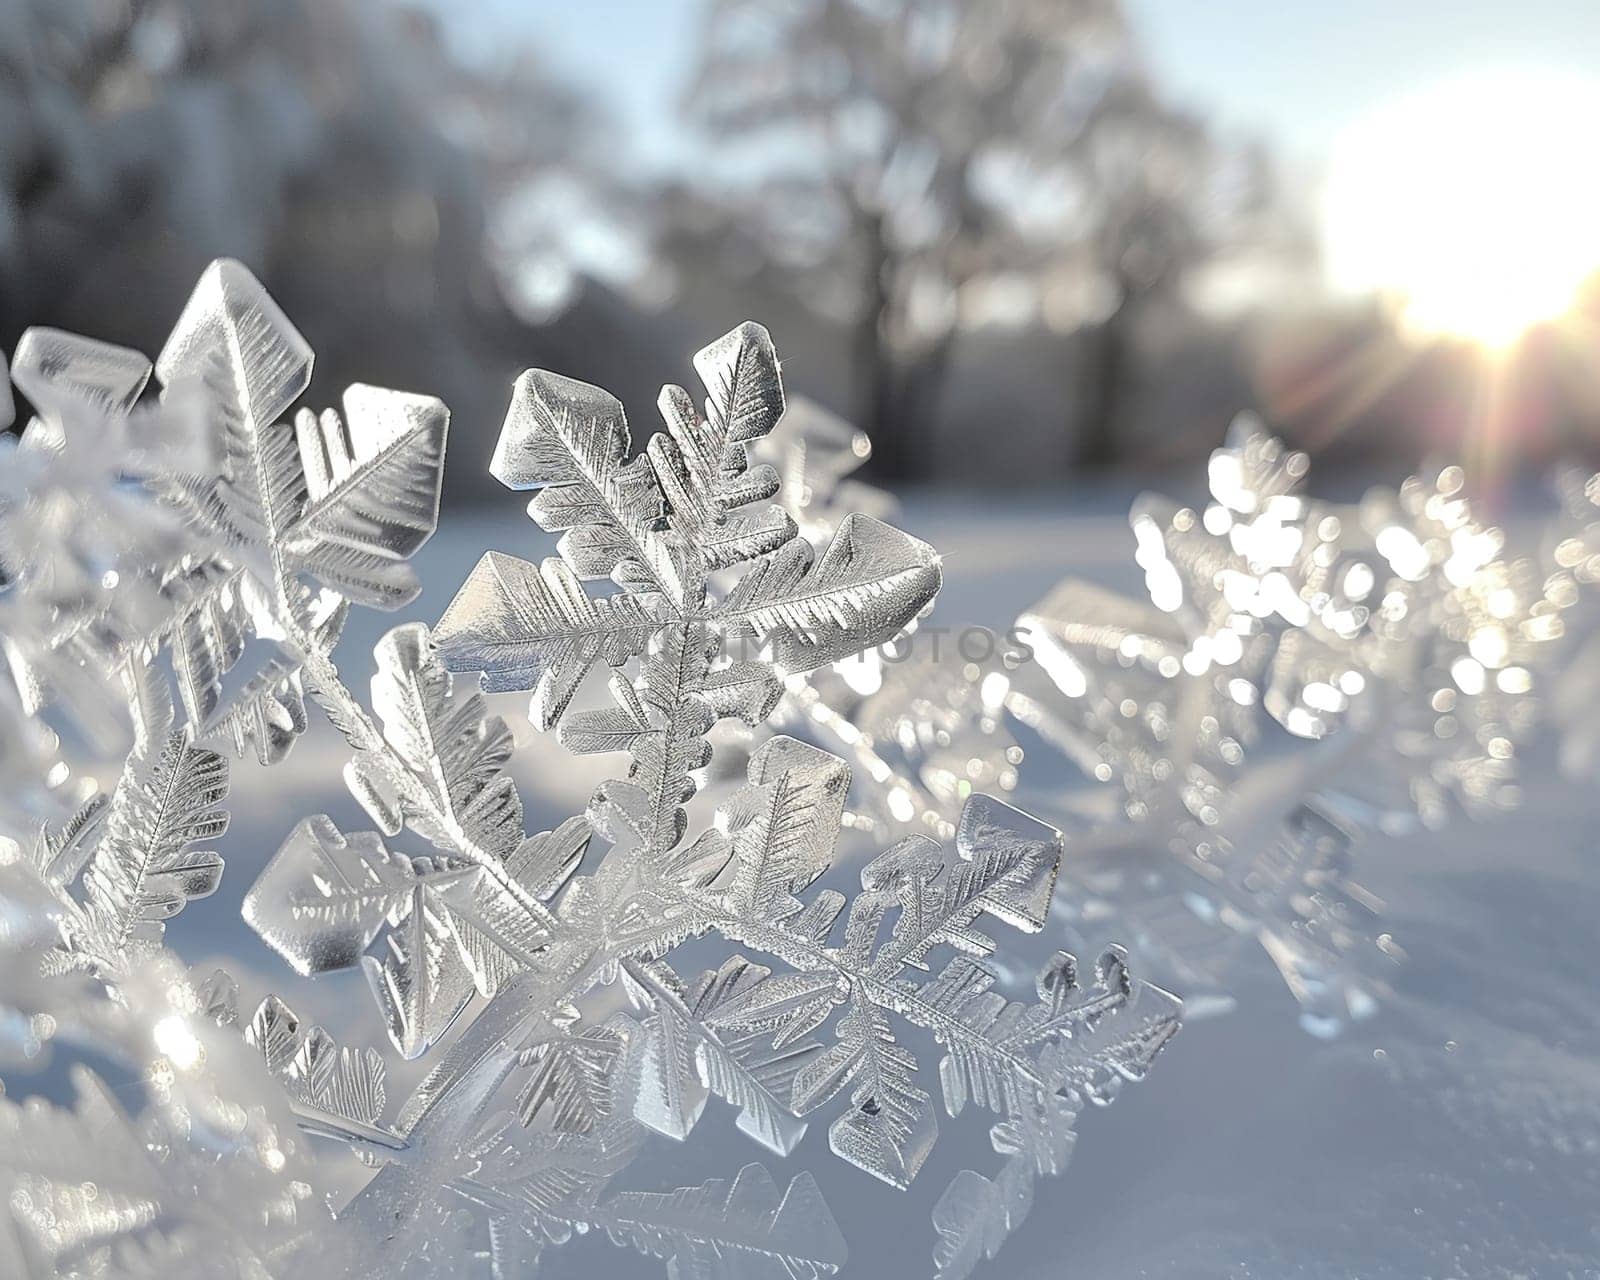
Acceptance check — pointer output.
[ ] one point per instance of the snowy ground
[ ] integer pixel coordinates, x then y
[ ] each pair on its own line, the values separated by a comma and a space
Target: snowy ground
1456, 1134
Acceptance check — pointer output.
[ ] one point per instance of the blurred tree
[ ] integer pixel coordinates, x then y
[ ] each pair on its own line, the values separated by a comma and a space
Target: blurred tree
923, 165
378, 181
1165, 203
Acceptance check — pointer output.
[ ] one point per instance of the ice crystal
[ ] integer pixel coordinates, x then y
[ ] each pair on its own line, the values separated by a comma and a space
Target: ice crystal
461, 920
660, 526
1574, 560
1093, 1039
745, 1032
921, 723
743, 1228
177, 571
1394, 643
248, 514
173, 1157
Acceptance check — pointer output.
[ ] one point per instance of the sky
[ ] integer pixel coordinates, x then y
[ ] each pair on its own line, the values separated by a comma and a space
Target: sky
1299, 73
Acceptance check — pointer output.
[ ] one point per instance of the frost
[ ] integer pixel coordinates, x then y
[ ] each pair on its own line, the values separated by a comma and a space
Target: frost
922, 722
660, 525
758, 1036
189, 1166
196, 615
1301, 673
740, 1229
462, 920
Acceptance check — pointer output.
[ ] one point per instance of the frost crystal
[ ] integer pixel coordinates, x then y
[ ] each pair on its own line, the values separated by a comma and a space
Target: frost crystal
175, 1156
746, 1032
922, 724
1574, 552
1390, 646
175, 572
659, 526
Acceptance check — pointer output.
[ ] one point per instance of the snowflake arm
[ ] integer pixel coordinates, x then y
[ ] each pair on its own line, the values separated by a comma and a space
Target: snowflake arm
659, 526
720, 1230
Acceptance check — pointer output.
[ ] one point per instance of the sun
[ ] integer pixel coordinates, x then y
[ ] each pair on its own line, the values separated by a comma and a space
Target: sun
1474, 207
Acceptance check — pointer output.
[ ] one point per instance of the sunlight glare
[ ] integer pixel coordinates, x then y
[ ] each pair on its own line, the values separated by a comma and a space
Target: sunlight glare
1474, 207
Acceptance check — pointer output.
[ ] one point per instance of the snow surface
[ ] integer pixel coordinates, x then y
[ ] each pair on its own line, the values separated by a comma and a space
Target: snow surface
1456, 1134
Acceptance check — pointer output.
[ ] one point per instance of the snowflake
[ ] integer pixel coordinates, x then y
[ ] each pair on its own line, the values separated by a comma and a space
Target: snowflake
1301, 672
247, 540
920, 721
660, 526
175, 1156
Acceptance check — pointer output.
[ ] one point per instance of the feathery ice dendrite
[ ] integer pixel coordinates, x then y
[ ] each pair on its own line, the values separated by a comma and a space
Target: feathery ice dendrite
200, 525
668, 527
920, 723
249, 539
746, 1031
176, 1155
1393, 642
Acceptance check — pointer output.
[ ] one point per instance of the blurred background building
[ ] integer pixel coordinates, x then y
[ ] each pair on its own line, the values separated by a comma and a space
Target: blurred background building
1014, 240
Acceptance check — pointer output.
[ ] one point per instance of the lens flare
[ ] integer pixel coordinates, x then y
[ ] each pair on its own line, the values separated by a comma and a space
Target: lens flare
1472, 207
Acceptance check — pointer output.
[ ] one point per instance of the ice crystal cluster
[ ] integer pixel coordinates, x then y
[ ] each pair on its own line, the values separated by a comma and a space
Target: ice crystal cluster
1303, 672
1574, 550
1298, 675
178, 566
923, 731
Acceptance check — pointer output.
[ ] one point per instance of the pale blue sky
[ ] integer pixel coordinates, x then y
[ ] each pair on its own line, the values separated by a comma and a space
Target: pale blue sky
1295, 71
1300, 71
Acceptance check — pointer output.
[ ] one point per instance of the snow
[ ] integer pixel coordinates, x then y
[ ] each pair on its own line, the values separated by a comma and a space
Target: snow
1455, 1134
